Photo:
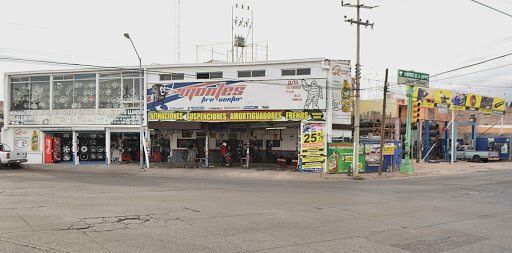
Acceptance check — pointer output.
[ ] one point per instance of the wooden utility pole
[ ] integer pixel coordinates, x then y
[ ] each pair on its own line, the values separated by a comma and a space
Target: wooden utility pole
383, 124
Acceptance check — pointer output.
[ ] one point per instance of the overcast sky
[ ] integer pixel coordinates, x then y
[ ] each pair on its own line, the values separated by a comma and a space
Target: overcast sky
426, 36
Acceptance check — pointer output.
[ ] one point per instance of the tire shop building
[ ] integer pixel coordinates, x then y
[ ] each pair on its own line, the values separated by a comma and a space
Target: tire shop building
195, 108
92, 115
74, 116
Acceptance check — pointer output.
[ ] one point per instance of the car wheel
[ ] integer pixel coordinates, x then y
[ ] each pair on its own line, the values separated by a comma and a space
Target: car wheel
476, 159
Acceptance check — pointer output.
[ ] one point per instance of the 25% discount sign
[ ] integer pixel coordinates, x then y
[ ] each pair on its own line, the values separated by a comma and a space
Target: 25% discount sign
313, 138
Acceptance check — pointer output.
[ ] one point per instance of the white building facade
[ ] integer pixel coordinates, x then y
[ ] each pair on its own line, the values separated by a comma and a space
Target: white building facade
92, 115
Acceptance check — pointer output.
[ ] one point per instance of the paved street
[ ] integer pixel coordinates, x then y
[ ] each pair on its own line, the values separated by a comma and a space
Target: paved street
88, 208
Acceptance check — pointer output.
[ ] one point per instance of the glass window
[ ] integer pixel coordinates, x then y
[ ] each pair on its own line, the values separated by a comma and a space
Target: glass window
165, 77
178, 76
215, 75
288, 72
208, 75
203, 75
75, 93
110, 93
258, 73
172, 76
30, 93
20, 99
244, 73
304, 71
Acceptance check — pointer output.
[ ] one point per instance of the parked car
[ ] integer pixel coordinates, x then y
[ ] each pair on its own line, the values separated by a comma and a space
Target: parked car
468, 152
8, 157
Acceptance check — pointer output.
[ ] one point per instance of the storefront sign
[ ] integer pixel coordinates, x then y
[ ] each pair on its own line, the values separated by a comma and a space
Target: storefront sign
458, 101
340, 157
76, 117
26, 139
297, 94
312, 146
216, 116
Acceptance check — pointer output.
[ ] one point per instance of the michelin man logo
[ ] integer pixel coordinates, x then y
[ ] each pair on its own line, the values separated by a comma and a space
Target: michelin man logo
314, 93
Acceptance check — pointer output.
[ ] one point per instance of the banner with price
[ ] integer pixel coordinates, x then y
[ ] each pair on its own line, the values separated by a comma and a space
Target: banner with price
312, 146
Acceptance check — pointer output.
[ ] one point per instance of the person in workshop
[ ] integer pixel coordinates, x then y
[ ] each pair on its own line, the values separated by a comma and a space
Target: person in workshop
224, 149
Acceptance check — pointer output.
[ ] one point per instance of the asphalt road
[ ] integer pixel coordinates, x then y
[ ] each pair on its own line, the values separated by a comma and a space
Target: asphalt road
89, 209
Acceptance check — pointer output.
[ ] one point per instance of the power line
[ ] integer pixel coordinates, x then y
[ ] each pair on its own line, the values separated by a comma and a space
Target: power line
471, 65
492, 8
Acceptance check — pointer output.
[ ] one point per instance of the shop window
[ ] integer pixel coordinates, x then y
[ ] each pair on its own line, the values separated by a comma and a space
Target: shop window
296, 72
74, 92
30, 93
276, 143
186, 134
130, 89
119, 90
208, 75
172, 76
110, 90
251, 73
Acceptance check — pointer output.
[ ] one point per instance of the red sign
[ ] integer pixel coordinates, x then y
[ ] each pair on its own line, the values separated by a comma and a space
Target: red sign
48, 143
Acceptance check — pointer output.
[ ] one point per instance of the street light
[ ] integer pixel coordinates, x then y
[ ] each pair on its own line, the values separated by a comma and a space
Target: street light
141, 108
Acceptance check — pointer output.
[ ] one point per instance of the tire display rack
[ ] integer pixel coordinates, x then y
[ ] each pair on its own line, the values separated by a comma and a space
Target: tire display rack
91, 147
64, 151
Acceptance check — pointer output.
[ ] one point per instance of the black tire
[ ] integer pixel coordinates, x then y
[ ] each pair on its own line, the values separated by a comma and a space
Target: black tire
476, 159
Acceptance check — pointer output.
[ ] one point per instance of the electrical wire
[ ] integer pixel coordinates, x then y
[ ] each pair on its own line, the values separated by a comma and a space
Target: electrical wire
491, 8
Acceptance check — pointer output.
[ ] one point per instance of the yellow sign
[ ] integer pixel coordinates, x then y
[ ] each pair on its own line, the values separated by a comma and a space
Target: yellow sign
205, 116
499, 104
313, 152
473, 100
313, 138
313, 159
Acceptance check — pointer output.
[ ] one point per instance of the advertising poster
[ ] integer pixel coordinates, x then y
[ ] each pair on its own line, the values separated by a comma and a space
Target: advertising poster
340, 79
26, 139
498, 105
340, 157
443, 99
424, 96
293, 94
458, 101
312, 147
372, 152
473, 102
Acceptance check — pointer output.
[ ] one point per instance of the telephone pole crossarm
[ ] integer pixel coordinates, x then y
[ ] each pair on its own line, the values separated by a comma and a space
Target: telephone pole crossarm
358, 22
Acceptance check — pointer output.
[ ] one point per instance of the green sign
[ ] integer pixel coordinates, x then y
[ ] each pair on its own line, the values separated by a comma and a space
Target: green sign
413, 78
340, 155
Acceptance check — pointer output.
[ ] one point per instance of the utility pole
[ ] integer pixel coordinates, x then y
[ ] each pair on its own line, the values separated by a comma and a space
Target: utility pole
358, 22
383, 124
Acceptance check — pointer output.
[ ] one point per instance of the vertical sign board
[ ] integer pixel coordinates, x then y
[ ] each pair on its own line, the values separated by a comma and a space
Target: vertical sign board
339, 157
312, 146
339, 76
48, 148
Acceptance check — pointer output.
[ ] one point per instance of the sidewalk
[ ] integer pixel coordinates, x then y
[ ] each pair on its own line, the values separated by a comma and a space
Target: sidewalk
269, 171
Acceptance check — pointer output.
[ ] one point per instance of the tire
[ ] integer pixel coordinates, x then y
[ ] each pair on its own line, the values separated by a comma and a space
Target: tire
476, 159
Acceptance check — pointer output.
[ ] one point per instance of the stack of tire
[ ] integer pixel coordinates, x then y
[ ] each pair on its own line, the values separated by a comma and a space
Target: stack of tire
67, 156
434, 138
366, 127
90, 149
